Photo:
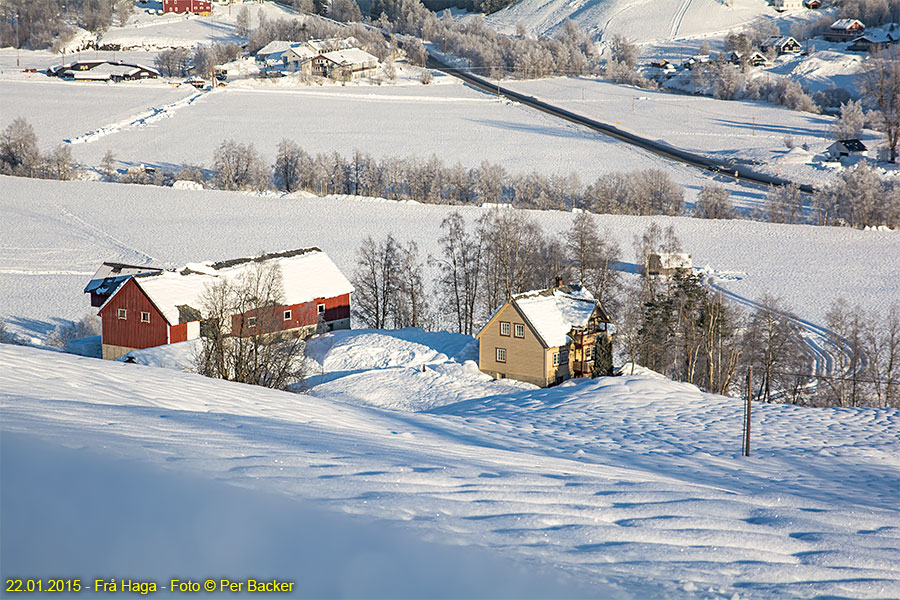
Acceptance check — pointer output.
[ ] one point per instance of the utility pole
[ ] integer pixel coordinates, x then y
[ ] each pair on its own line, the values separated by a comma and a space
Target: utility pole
746, 449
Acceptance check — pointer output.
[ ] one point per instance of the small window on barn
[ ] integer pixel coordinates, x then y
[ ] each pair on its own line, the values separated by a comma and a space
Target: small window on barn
122, 313
556, 359
145, 317
520, 330
287, 315
501, 355
321, 309
251, 322
589, 353
504, 328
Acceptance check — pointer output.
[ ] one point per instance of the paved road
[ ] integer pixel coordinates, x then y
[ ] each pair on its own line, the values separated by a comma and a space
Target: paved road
741, 172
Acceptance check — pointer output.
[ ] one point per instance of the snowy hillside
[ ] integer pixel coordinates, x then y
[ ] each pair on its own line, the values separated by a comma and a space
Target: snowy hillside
633, 486
64, 230
644, 21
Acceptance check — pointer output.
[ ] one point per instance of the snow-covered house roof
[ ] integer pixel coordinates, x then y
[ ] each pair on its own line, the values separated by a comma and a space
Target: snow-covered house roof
329, 44
674, 260
847, 25
846, 147
111, 275
273, 47
781, 43
552, 313
307, 274
350, 57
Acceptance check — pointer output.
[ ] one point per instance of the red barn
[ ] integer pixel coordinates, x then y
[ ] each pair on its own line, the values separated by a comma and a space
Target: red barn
153, 309
198, 7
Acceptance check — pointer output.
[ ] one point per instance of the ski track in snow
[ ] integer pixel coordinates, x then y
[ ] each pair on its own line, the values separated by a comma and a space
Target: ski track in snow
142, 119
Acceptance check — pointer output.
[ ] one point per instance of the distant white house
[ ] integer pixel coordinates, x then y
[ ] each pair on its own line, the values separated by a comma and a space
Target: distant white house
783, 5
781, 45
331, 57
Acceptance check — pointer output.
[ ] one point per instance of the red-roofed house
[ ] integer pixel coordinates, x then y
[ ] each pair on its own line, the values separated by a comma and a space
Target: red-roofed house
154, 309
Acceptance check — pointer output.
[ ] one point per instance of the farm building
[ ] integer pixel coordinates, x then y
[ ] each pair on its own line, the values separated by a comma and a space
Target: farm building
781, 45
197, 7
154, 309
667, 263
844, 148
845, 30
109, 277
545, 337
103, 70
756, 59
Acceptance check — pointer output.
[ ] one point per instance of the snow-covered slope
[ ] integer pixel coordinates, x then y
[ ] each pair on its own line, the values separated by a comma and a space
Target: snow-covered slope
632, 485
643, 21
63, 230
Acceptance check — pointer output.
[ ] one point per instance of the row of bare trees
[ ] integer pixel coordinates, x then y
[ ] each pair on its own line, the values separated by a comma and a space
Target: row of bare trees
504, 252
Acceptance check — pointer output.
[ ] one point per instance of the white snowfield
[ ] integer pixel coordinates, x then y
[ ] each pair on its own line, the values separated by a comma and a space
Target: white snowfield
632, 486
643, 21
755, 133
62, 231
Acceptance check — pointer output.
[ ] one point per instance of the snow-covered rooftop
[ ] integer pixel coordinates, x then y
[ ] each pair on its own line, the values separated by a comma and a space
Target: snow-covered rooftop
553, 313
350, 56
307, 274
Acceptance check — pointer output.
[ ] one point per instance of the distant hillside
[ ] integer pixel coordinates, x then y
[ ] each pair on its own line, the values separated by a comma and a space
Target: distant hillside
641, 20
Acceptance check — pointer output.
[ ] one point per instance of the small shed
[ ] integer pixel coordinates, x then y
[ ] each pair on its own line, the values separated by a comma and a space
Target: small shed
843, 148
667, 263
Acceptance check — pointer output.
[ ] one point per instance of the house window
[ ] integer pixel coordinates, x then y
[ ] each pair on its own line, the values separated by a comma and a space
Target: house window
145, 317
321, 309
501, 355
251, 322
504, 328
556, 359
122, 313
520, 330
287, 315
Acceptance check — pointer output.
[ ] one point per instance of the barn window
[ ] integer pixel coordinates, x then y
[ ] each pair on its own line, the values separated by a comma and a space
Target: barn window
145, 317
251, 322
520, 330
122, 313
556, 359
321, 309
501, 355
504, 328
287, 315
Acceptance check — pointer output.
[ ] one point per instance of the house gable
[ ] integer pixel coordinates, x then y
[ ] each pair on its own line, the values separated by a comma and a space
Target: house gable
121, 331
523, 357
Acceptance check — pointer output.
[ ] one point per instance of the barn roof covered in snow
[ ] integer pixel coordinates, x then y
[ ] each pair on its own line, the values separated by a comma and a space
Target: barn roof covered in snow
111, 275
307, 274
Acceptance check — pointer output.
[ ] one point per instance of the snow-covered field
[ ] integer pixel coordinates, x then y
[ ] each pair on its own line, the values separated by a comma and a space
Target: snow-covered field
452, 121
643, 21
62, 231
632, 487
746, 132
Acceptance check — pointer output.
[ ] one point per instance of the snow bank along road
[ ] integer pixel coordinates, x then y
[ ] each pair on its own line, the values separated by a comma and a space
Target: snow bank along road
665, 150
631, 485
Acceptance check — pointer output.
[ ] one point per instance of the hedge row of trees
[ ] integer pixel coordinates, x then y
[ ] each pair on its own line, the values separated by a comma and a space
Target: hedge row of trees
674, 325
202, 60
